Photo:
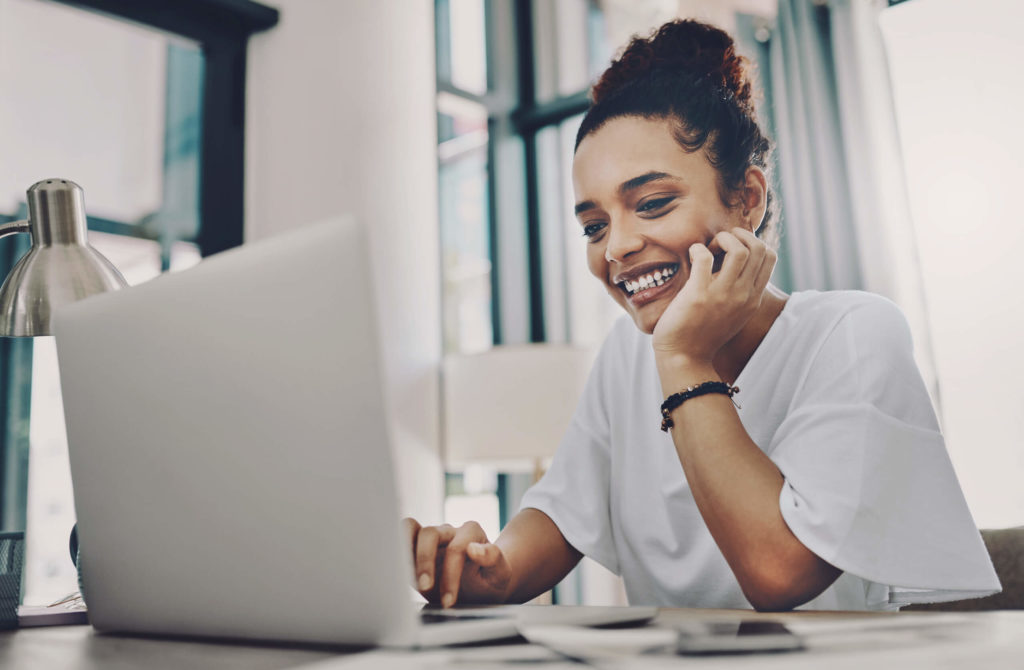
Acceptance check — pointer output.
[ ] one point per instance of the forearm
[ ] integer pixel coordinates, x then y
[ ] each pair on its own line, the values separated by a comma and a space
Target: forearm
537, 552
736, 488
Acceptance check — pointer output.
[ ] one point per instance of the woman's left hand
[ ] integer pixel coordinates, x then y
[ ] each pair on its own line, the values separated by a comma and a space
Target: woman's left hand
713, 306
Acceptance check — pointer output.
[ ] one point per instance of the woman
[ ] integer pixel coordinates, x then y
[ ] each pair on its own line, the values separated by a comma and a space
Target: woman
826, 483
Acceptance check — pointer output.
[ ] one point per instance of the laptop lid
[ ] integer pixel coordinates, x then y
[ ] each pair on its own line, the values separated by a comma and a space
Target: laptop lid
227, 437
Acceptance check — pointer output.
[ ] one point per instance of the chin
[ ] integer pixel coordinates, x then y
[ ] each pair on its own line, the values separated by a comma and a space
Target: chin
646, 322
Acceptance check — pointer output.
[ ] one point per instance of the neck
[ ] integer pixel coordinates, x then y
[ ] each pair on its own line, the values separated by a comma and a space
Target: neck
733, 357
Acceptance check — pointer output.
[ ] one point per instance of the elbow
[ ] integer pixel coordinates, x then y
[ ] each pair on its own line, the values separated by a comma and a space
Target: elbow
772, 598
780, 588
765, 601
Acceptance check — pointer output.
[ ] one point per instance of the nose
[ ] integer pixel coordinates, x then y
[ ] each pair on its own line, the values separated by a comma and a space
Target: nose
624, 239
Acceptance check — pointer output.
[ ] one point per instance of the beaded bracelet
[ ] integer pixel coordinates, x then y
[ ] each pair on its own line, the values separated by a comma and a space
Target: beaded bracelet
677, 399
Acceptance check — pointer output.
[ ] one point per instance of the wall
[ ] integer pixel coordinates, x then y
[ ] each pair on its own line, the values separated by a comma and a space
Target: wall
962, 141
76, 110
341, 120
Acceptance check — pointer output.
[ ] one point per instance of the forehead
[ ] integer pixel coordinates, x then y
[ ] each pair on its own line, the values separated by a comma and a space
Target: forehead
628, 146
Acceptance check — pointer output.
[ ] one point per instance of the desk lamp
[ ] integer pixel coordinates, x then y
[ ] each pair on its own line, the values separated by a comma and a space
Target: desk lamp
60, 268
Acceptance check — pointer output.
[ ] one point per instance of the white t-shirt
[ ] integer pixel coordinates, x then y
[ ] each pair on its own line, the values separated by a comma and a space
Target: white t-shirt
832, 395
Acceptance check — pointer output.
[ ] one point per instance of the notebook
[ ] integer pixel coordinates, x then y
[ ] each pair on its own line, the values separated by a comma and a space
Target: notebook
230, 458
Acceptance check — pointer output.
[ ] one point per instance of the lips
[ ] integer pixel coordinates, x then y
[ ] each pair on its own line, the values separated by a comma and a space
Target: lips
642, 279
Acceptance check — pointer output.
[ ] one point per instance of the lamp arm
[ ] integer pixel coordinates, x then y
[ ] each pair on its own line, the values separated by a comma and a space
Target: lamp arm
12, 227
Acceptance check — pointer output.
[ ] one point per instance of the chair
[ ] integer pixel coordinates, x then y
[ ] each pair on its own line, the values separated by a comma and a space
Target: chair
1006, 547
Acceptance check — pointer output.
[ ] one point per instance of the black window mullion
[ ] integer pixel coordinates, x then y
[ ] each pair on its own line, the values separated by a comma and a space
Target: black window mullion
536, 117
527, 100
223, 28
493, 250
222, 149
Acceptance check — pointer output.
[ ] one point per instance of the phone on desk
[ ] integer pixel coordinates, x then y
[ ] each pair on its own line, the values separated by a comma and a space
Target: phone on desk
736, 637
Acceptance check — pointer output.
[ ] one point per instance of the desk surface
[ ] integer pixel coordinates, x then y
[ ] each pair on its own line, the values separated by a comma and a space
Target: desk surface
835, 640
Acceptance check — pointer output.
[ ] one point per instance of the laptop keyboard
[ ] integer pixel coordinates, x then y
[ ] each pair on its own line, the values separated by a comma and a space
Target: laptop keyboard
431, 618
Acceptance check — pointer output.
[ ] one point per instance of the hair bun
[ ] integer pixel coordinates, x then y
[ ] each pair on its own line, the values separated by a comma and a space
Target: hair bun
684, 47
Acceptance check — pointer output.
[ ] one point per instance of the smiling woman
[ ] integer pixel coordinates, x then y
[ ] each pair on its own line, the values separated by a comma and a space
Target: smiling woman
830, 487
655, 192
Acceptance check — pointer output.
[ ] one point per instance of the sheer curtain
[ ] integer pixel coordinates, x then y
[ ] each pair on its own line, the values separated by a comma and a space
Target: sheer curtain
846, 221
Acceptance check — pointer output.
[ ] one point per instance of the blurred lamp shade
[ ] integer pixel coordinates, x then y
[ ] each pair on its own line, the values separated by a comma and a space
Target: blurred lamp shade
510, 406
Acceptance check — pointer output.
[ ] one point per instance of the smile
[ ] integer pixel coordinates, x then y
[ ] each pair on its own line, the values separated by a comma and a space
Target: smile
651, 280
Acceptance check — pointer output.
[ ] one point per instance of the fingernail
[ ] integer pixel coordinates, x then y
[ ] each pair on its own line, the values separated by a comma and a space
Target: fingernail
424, 582
448, 600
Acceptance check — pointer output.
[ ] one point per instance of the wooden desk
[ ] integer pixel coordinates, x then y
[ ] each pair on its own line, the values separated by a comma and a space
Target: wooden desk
981, 640
81, 648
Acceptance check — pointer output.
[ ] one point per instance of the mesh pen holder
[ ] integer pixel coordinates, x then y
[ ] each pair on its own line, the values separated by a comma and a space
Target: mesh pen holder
12, 553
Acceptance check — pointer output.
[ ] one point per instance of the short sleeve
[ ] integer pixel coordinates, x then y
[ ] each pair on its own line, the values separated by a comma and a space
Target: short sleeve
574, 492
869, 486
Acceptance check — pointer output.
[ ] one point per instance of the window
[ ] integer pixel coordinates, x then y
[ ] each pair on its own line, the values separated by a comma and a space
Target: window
512, 83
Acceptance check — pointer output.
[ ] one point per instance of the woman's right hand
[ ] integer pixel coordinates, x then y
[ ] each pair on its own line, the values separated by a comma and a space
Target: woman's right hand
457, 564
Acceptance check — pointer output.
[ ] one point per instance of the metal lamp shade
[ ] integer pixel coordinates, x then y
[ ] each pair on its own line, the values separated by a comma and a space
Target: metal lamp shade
60, 268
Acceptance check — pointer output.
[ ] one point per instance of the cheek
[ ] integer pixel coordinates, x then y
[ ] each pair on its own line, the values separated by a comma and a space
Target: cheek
596, 262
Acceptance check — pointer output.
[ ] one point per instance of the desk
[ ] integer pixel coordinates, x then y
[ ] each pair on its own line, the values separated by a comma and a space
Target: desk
981, 641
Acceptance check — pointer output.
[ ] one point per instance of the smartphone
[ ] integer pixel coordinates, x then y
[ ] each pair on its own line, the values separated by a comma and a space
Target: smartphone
748, 636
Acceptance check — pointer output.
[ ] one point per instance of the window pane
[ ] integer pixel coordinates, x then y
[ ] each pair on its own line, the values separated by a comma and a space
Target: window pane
462, 45
577, 308
465, 218
569, 47
459, 118
554, 231
86, 99
465, 247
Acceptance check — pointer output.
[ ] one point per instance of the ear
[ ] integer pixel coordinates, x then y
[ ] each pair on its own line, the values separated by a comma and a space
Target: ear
754, 197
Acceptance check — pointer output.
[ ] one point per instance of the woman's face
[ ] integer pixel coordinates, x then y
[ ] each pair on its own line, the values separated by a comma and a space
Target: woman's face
641, 201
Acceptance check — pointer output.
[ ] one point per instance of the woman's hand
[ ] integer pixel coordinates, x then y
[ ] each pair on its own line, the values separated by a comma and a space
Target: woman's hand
713, 306
457, 564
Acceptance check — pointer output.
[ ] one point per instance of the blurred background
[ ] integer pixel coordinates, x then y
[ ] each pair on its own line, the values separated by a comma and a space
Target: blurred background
447, 127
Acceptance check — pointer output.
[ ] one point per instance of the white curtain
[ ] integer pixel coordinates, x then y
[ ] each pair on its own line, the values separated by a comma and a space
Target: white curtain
846, 220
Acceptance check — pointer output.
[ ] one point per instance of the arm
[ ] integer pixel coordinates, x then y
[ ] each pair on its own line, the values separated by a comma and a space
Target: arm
538, 553
735, 485
460, 565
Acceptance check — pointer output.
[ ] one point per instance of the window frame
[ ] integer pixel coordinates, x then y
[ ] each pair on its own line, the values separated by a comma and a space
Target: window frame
222, 29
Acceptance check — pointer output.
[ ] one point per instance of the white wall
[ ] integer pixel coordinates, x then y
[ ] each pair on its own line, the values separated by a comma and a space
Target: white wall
341, 120
74, 109
956, 79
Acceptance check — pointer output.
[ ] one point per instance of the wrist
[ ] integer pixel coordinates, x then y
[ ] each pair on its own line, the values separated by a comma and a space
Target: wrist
677, 372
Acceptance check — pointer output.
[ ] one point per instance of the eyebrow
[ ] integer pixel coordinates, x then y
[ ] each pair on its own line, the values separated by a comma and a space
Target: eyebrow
627, 186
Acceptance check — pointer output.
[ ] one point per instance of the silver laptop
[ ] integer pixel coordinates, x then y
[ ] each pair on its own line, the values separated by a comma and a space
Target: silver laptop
230, 458
229, 453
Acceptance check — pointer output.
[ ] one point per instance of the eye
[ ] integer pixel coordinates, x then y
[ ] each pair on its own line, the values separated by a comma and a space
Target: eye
654, 204
592, 229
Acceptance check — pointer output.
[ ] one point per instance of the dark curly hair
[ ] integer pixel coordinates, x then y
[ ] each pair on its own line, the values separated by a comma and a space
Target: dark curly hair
689, 73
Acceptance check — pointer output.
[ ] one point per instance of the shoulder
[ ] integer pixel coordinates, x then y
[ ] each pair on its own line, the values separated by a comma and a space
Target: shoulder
862, 353
868, 318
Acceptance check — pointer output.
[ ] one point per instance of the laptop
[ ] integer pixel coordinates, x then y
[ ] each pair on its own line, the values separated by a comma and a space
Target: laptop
230, 459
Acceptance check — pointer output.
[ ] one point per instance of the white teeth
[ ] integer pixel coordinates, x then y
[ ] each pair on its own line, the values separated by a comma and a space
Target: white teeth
656, 278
